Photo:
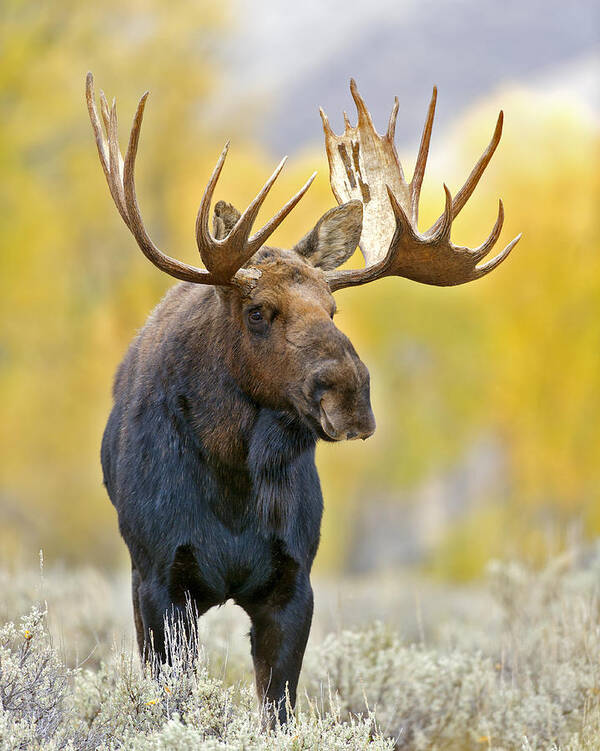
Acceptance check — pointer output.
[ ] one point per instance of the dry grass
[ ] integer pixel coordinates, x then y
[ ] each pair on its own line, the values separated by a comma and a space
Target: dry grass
514, 664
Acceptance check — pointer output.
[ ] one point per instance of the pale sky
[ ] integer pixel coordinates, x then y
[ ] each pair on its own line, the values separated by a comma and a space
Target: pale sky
282, 60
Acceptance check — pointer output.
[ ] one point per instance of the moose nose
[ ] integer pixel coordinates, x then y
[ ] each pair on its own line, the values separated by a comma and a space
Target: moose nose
354, 435
366, 427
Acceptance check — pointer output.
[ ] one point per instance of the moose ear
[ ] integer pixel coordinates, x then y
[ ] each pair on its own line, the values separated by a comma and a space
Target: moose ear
224, 218
334, 237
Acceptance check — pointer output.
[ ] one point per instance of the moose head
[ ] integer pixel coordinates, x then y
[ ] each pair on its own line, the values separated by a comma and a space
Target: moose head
288, 353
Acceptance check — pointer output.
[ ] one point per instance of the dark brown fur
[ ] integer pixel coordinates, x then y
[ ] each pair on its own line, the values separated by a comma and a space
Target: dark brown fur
208, 454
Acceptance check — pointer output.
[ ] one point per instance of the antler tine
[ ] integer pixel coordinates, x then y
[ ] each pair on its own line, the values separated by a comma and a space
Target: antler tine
223, 258
244, 224
261, 236
470, 184
105, 110
488, 244
403, 225
326, 125
204, 239
442, 233
173, 267
391, 128
115, 161
239, 247
497, 260
119, 176
364, 116
364, 165
417, 178
95, 120
101, 142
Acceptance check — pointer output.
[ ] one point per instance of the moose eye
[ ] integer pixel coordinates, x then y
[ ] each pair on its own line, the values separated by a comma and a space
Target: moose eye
258, 322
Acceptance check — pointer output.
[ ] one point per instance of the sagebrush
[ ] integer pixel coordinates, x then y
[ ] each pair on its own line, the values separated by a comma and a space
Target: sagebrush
522, 672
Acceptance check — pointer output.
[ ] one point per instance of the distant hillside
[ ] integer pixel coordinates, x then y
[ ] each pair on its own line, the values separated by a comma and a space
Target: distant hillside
295, 62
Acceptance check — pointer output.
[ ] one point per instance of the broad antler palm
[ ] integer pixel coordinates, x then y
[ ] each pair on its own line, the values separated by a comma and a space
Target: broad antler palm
224, 259
364, 165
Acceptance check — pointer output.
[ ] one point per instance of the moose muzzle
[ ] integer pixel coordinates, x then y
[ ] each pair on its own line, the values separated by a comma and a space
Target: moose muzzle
348, 418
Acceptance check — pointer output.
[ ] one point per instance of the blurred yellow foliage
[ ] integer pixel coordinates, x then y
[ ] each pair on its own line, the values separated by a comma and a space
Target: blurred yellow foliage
515, 355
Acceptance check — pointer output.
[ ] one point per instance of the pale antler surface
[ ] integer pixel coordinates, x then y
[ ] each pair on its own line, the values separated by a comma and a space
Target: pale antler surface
224, 258
364, 165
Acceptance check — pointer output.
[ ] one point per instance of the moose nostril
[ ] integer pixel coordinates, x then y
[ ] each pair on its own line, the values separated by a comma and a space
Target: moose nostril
352, 434
368, 433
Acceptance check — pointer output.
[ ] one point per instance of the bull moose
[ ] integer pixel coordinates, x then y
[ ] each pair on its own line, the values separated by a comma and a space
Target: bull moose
208, 454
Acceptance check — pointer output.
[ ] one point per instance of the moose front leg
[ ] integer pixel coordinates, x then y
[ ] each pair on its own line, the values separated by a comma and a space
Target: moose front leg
137, 616
278, 639
153, 603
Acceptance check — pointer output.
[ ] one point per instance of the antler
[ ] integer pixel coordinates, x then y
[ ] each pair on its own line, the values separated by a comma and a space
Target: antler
365, 165
223, 259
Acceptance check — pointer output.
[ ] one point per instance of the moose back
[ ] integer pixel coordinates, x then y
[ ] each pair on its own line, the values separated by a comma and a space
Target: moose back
208, 454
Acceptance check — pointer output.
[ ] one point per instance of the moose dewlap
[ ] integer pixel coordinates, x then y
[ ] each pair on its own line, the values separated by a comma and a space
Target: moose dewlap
208, 454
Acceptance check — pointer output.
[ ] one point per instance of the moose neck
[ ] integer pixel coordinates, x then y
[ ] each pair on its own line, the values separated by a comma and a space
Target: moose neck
205, 374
